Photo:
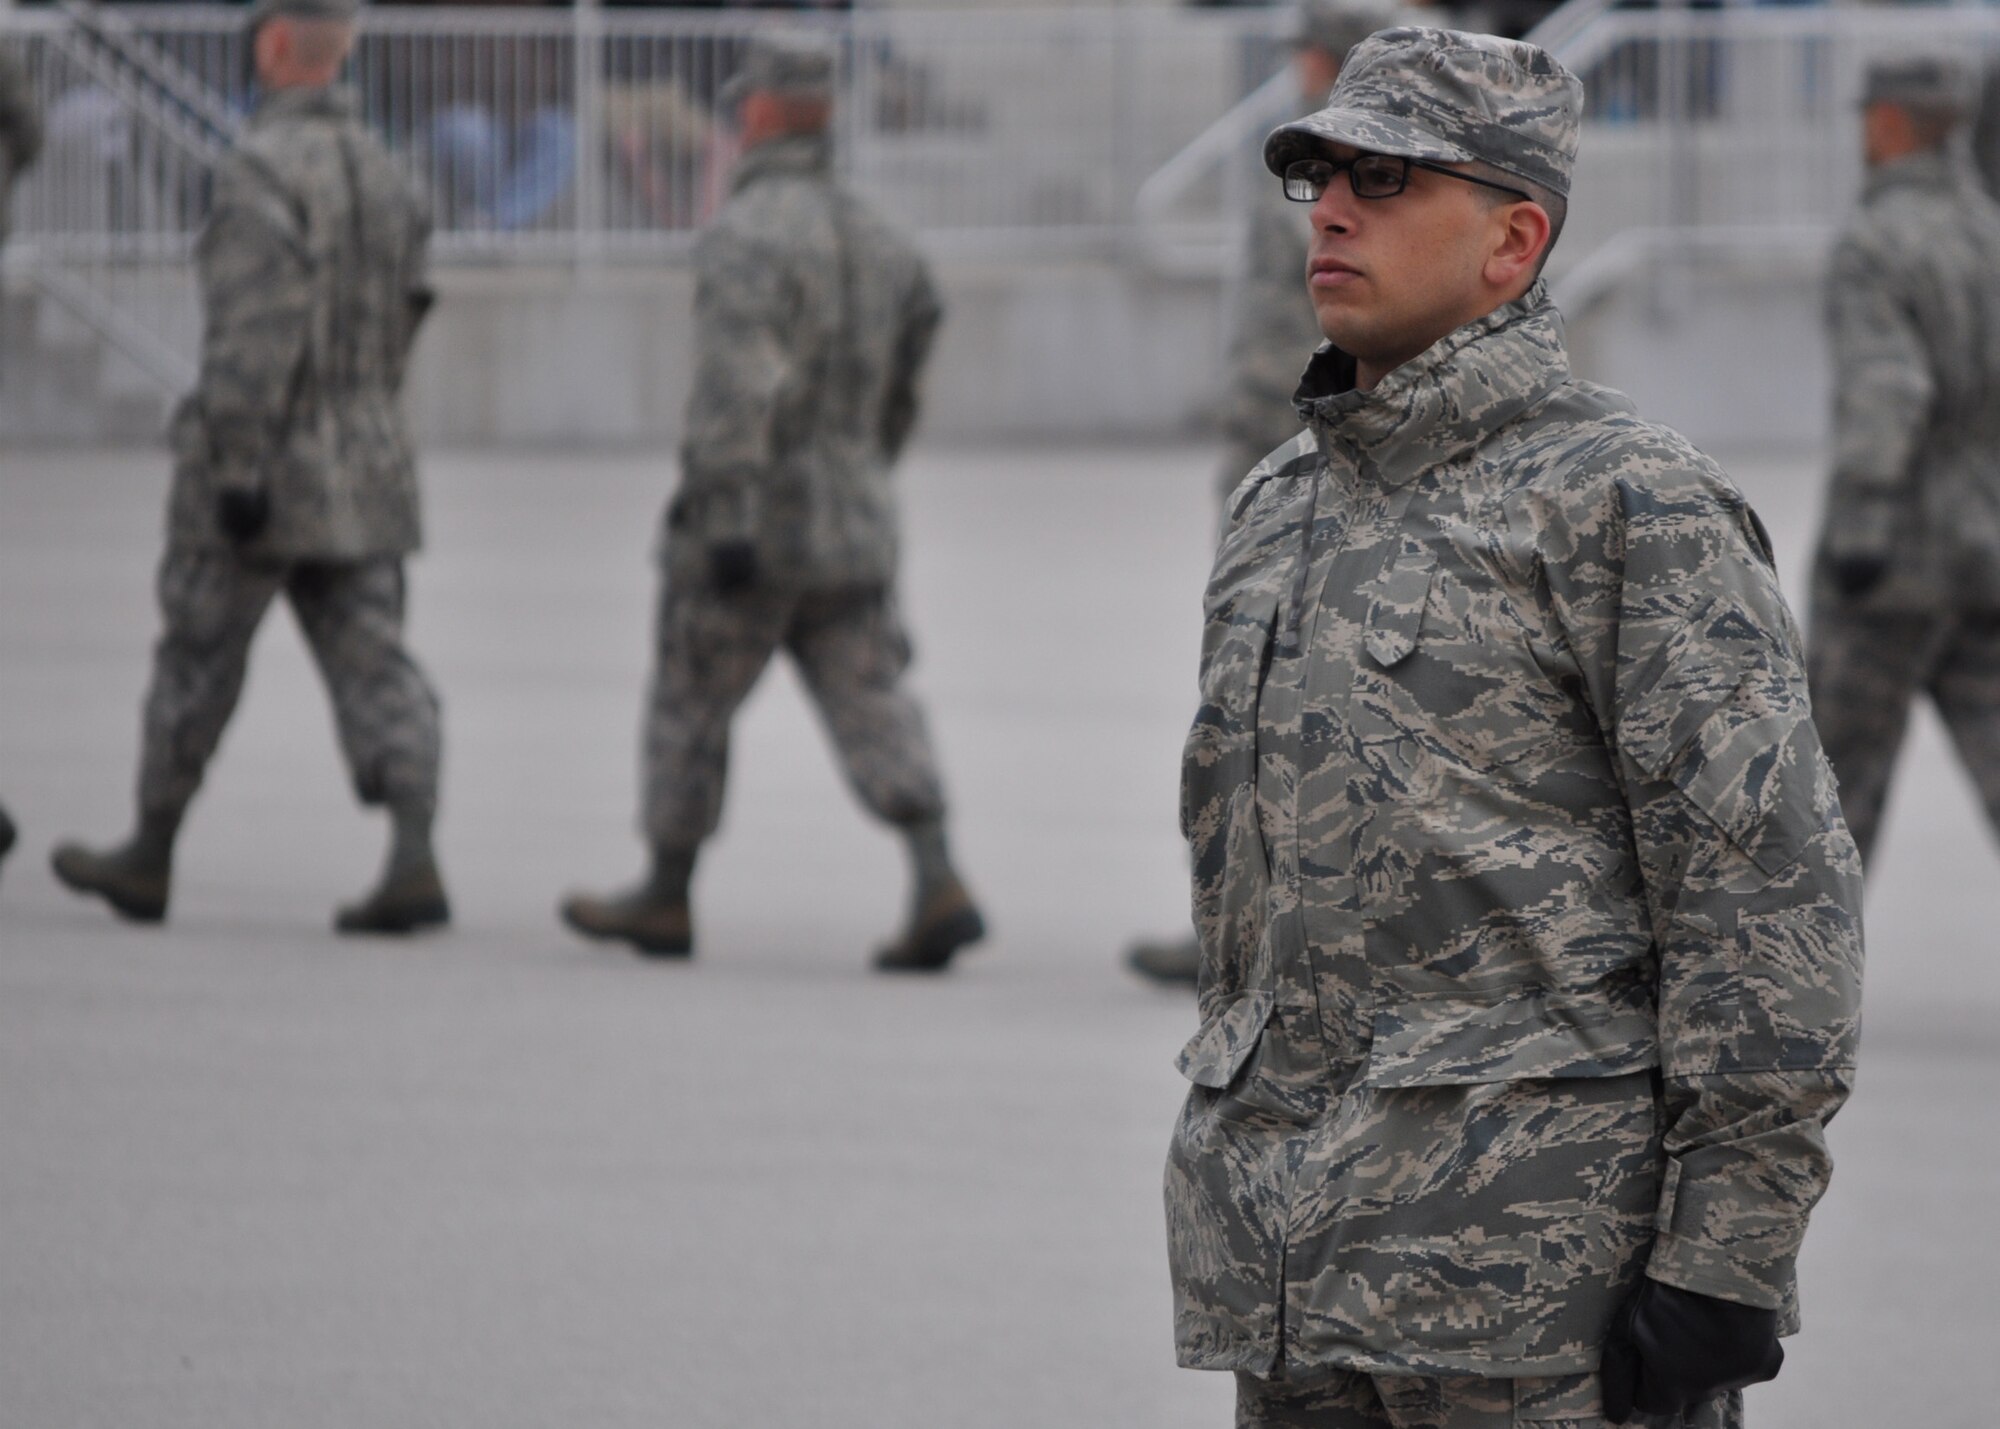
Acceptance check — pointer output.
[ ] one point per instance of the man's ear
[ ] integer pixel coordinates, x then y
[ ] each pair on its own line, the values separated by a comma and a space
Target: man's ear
1522, 238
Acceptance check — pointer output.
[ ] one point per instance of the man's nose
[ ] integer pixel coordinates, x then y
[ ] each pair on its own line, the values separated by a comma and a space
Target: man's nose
1333, 211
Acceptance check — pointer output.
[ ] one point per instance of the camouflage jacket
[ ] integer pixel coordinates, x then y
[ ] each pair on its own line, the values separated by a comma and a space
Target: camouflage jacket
813, 319
1913, 316
312, 284
1530, 930
1273, 331
20, 127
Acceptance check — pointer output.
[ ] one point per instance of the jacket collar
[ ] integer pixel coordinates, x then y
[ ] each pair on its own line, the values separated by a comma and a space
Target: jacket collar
1930, 169
809, 155
335, 101
1444, 401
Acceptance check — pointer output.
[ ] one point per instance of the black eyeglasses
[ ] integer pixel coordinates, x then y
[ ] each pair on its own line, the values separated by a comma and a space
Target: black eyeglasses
1370, 176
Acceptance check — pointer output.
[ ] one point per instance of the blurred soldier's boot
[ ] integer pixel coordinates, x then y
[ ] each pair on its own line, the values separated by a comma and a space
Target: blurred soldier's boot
1177, 962
652, 917
411, 894
943, 918
133, 877
6, 835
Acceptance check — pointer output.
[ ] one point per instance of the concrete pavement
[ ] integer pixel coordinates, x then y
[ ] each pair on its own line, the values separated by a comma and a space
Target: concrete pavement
255, 1175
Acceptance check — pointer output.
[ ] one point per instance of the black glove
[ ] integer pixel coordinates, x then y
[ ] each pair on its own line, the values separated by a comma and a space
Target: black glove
732, 565
1855, 576
1669, 1349
243, 513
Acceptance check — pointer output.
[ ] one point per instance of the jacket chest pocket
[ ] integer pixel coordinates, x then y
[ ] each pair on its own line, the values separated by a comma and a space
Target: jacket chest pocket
1448, 671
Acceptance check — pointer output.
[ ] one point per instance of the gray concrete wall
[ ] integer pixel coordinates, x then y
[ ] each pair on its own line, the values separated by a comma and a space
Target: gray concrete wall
1731, 354
1061, 349
1049, 350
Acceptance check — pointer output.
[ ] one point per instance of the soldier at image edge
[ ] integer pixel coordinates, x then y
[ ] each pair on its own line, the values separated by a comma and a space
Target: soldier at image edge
20, 142
813, 321
1906, 586
1530, 930
294, 472
1273, 331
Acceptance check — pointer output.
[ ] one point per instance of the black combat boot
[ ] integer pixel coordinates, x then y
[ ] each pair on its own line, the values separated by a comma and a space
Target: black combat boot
653, 917
411, 895
134, 878
943, 918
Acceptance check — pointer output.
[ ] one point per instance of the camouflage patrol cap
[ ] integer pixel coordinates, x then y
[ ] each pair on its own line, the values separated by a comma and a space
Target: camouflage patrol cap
1337, 26
796, 64
1931, 82
347, 11
1451, 98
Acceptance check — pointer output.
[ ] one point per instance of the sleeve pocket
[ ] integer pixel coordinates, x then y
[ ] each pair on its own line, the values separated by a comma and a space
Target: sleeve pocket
1445, 1042
1215, 1054
1734, 736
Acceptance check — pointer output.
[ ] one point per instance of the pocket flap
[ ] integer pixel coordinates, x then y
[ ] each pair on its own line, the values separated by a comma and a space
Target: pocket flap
1396, 608
1450, 1042
1215, 1054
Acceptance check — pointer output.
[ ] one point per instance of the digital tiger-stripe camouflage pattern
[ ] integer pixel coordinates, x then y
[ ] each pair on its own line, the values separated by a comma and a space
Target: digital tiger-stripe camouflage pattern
1531, 941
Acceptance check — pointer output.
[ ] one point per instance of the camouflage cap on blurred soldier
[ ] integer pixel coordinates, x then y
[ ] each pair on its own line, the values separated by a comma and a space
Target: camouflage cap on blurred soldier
793, 64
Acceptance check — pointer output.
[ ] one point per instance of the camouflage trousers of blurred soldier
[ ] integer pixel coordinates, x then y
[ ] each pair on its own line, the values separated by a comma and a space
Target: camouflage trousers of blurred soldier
1345, 1399
351, 614
851, 649
1866, 667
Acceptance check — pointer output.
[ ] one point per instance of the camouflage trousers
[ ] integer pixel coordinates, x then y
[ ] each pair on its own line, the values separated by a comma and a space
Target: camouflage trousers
851, 649
1346, 1399
351, 614
1866, 667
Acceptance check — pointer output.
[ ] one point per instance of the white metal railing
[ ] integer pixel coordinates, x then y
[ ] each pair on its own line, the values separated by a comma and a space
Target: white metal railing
105, 219
586, 135
1713, 134
583, 133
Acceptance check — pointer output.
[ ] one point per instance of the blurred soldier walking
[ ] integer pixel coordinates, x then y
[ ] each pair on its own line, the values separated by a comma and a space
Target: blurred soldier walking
294, 471
813, 319
1273, 331
20, 141
20, 128
1530, 931
1906, 589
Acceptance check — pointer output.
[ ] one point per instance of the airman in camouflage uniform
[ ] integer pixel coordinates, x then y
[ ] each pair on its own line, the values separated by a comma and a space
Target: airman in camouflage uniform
1273, 331
1906, 590
20, 127
20, 141
813, 320
1530, 929
294, 471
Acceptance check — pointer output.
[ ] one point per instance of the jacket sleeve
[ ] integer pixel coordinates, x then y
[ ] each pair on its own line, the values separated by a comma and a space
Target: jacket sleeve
257, 295
921, 316
1883, 389
743, 307
1691, 660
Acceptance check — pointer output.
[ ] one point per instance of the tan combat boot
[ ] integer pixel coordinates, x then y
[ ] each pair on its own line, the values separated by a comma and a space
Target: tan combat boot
656, 927
405, 902
945, 922
133, 878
